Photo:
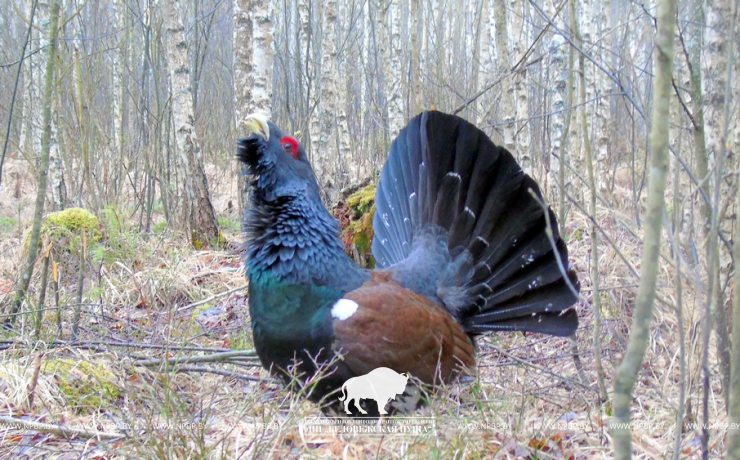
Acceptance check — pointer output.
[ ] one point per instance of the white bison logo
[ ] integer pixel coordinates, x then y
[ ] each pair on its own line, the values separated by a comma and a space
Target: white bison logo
382, 385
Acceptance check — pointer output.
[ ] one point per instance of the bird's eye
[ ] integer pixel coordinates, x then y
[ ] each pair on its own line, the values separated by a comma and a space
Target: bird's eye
290, 145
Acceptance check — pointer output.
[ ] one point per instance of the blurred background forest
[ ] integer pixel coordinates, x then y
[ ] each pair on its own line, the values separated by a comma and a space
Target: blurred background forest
129, 109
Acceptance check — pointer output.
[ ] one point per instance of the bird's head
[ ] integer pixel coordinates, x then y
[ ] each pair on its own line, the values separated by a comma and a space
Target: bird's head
276, 158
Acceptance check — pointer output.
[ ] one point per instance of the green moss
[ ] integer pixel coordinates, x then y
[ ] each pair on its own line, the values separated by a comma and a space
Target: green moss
196, 242
362, 201
7, 224
61, 233
362, 231
577, 235
358, 232
229, 224
160, 227
122, 242
70, 224
86, 386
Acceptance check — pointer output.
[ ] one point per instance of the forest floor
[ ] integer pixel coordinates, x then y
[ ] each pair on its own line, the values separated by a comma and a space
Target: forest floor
131, 387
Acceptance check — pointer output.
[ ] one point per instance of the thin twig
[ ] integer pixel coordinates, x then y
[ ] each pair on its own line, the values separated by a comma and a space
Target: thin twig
213, 297
216, 357
136, 345
236, 375
541, 369
34, 379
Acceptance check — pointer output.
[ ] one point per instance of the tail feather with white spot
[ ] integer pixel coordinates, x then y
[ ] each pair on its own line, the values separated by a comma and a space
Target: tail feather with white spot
499, 270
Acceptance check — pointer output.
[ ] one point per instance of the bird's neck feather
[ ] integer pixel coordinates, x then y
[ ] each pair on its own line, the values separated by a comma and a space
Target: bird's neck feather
296, 239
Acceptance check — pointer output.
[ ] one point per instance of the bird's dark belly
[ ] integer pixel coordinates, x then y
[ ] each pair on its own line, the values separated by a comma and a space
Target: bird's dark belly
292, 329
280, 344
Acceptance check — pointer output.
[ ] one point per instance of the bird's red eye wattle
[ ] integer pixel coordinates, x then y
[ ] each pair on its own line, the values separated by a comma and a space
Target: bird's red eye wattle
290, 144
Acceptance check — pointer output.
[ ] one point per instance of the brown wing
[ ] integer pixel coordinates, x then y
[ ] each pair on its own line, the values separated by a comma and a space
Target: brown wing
400, 329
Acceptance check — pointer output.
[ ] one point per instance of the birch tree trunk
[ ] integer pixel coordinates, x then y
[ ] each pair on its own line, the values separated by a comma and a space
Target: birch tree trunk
629, 368
332, 151
733, 449
263, 53
253, 68
602, 86
197, 205
558, 73
393, 67
242, 86
520, 40
43, 164
56, 163
30, 136
120, 62
507, 104
717, 31
715, 49
30, 132
415, 100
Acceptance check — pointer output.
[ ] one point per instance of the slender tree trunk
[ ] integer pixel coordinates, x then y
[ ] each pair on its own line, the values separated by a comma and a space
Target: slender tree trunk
262, 57
120, 105
334, 157
520, 40
589, 153
199, 211
18, 74
558, 108
733, 449
414, 63
508, 107
479, 25
82, 110
629, 368
719, 16
393, 68
733, 392
30, 136
43, 165
602, 85
242, 85
57, 182
564, 142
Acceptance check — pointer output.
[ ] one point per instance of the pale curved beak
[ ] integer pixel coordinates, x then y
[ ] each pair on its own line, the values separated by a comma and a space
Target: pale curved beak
256, 123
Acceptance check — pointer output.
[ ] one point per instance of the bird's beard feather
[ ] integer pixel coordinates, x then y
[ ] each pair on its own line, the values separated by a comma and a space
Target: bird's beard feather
296, 239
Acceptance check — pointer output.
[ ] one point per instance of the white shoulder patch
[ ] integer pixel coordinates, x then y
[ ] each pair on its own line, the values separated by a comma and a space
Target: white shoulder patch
343, 309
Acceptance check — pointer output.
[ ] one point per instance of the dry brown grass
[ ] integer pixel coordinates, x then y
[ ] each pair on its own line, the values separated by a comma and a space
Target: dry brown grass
527, 400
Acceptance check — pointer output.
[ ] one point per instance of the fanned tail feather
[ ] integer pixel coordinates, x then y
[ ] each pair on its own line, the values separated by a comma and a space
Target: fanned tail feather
502, 271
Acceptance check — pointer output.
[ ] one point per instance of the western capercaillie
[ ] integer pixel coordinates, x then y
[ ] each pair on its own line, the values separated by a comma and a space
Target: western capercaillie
461, 249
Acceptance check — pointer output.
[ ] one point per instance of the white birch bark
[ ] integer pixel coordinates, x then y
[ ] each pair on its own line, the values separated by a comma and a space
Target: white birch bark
394, 78
480, 49
415, 101
197, 204
503, 56
57, 184
519, 34
118, 61
242, 61
718, 14
336, 165
557, 65
33, 76
603, 88
262, 57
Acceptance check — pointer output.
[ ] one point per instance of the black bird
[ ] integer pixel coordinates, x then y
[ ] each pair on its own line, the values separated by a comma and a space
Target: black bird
461, 247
